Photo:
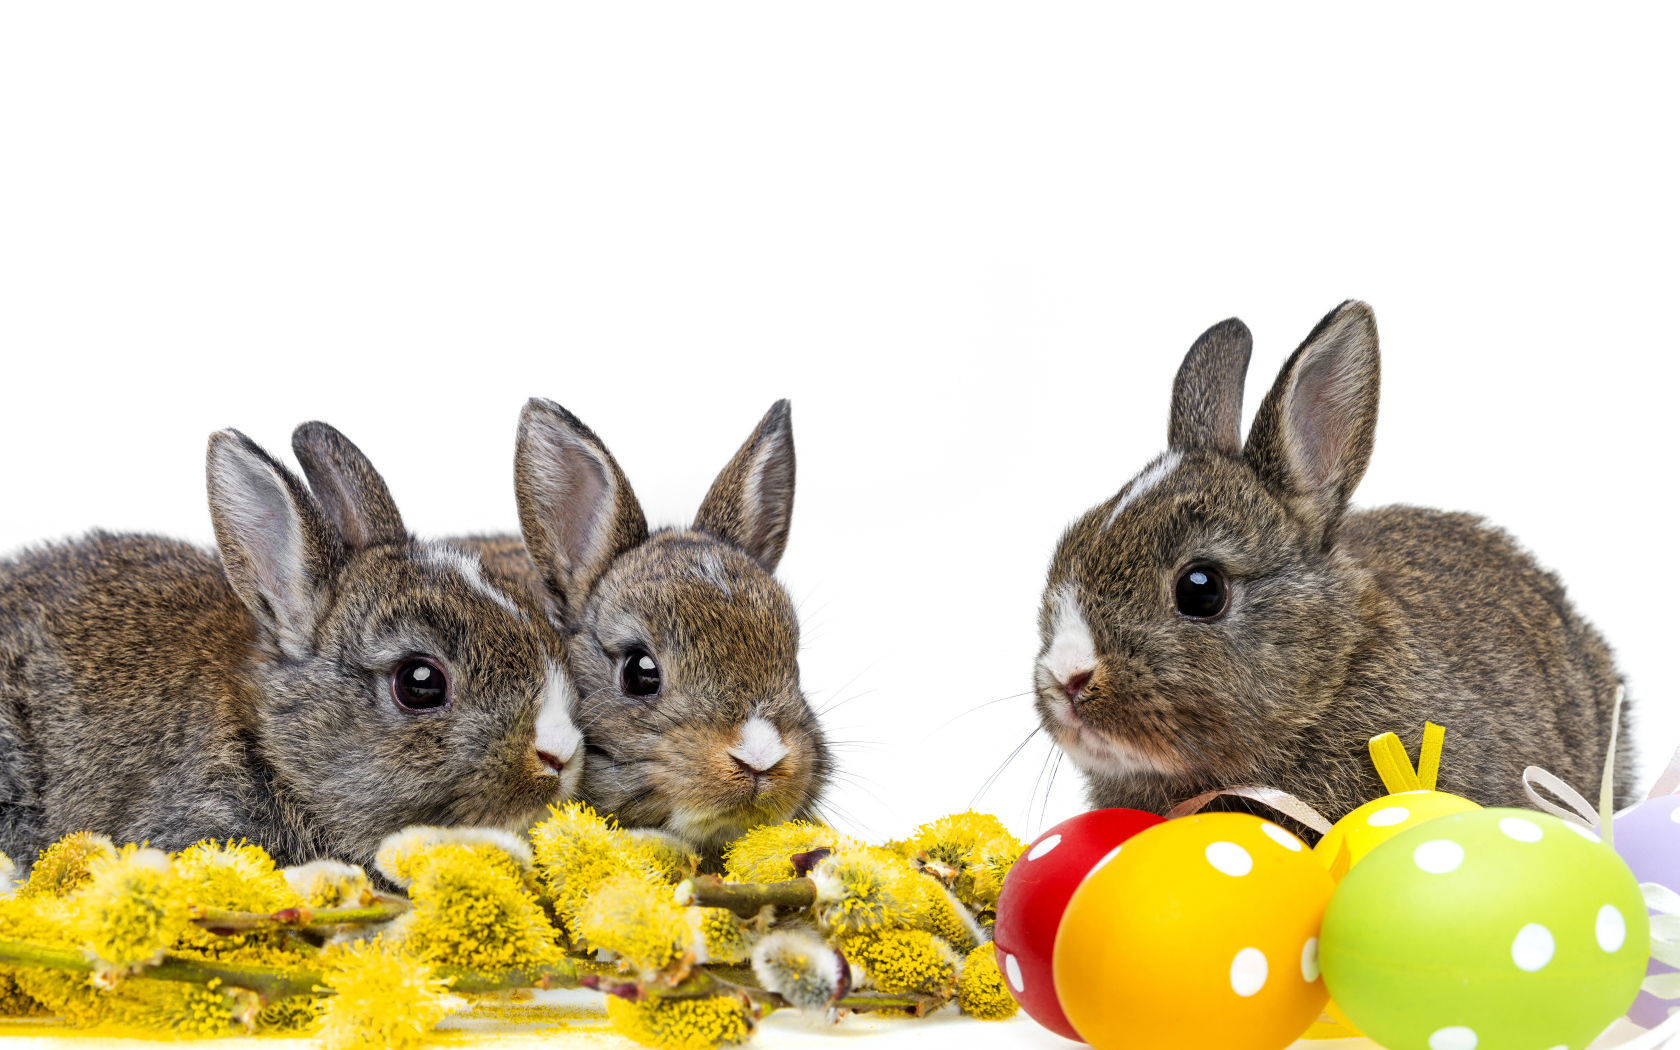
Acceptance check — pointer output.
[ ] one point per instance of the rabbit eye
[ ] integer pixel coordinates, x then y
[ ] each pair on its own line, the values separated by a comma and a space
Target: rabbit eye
1202, 592
419, 684
640, 676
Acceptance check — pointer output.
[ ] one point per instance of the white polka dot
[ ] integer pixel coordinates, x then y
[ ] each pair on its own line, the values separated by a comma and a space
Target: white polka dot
1532, 948
1439, 856
1674, 814
1309, 960
1610, 929
1110, 855
1044, 847
1520, 829
1014, 970
1281, 837
1388, 816
1457, 1037
1587, 833
1248, 972
1230, 858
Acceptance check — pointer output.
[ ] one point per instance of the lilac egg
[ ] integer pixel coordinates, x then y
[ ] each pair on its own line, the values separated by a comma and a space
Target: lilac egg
1648, 838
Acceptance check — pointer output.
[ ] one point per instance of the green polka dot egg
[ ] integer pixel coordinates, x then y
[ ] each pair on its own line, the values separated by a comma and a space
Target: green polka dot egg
1492, 929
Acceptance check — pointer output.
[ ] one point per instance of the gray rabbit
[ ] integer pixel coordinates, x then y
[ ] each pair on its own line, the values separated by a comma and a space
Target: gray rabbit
1225, 619
327, 681
683, 648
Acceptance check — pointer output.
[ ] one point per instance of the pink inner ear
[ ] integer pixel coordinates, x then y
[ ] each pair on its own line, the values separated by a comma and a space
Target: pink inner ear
1323, 409
577, 491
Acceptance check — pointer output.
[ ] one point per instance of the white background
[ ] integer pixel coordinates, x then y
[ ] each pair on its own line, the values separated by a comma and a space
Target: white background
971, 242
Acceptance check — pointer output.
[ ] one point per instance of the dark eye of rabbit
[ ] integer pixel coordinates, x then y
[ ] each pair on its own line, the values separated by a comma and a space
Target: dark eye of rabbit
640, 676
1202, 592
419, 685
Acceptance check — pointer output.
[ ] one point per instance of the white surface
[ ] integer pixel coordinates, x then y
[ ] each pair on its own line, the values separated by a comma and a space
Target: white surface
781, 1031
970, 241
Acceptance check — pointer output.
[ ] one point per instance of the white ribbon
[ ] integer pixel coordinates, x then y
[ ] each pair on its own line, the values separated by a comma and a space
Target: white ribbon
1280, 800
1580, 812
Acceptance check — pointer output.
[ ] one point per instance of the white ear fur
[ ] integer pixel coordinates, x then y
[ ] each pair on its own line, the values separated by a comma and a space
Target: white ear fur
275, 547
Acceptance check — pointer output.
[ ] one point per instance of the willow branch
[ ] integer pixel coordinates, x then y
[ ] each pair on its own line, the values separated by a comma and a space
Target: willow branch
269, 982
562, 974
221, 921
703, 984
746, 898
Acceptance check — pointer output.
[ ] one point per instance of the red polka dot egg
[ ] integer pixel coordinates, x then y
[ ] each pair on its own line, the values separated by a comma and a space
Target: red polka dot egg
1199, 932
1035, 893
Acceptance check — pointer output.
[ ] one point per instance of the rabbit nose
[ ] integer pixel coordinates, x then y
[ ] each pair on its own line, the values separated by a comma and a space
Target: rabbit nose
756, 775
758, 749
558, 765
1073, 683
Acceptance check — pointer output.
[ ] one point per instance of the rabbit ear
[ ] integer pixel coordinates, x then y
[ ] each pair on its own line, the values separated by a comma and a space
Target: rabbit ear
1312, 436
1208, 390
351, 492
575, 507
278, 550
751, 502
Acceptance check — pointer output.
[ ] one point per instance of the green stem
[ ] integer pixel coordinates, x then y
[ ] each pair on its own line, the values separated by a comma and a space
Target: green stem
746, 898
562, 974
269, 982
218, 920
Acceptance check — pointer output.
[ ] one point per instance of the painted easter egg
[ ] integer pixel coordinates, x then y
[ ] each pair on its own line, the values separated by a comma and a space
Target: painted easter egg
1648, 838
1491, 928
1199, 932
1379, 820
1036, 892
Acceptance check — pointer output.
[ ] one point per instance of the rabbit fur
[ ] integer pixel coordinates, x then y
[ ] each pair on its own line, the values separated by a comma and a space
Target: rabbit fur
728, 740
1339, 625
152, 691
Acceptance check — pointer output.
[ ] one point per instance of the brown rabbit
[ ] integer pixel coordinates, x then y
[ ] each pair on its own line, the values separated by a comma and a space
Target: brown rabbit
1224, 619
683, 648
328, 681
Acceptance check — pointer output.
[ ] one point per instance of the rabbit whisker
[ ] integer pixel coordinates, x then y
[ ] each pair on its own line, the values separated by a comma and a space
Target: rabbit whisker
970, 711
999, 772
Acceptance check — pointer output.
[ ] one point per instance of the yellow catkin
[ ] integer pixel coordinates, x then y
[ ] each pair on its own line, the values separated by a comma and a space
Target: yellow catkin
637, 920
136, 1005
681, 1024
329, 884
383, 997
472, 910
980, 990
721, 933
863, 888
63, 866
975, 848
235, 877
130, 910
904, 960
761, 855
14, 1001
297, 1013
576, 851
937, 912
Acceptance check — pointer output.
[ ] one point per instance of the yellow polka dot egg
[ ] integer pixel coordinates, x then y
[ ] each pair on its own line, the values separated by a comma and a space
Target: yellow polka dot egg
1485, 930
1199, 932
1379, 820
